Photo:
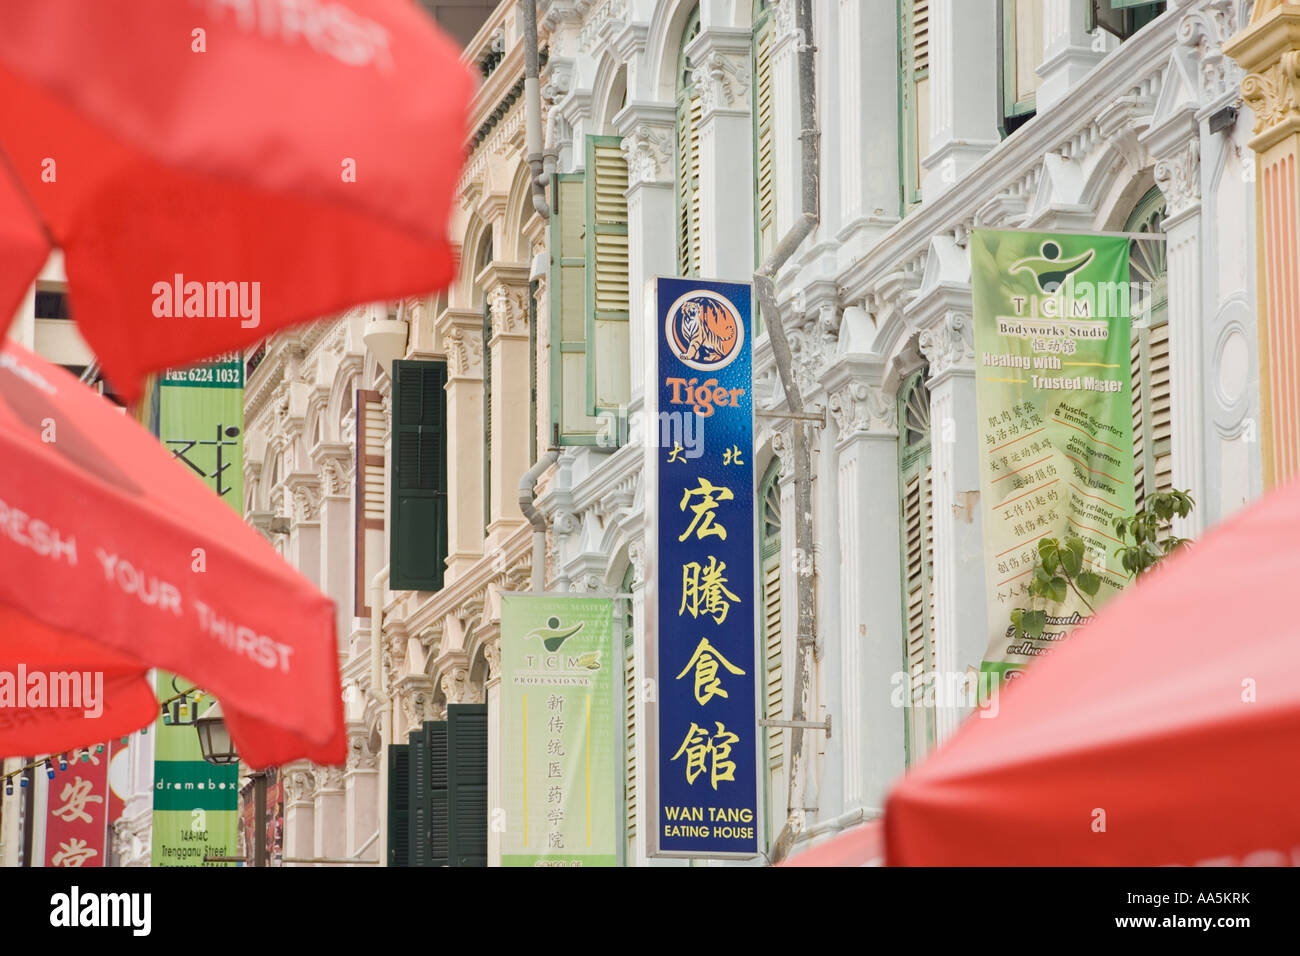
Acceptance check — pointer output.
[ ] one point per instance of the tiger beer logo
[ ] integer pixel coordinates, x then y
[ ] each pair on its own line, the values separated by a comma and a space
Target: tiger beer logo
704, 330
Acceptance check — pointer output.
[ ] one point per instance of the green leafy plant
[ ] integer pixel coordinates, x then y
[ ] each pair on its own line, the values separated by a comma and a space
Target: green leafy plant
1146, 539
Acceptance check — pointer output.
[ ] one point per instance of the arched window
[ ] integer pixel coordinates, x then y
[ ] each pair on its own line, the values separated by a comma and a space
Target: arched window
916, 493
769, 551
761, 109
690, 110
1152, 406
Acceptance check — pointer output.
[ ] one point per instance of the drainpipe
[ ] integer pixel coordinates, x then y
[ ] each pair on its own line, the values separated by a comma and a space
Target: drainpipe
533, 111
377, 585
765, 290
529, 507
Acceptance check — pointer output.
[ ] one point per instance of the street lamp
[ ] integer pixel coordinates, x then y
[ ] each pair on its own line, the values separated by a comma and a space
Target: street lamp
219, 749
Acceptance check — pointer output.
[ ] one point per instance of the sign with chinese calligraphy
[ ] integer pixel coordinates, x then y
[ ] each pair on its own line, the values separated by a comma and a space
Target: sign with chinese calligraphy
1054, 396
558, 733
702, 573
274, 834
201, 422
76, 826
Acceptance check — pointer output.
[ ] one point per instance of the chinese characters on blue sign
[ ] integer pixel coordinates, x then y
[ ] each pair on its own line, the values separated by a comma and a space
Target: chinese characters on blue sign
707, 734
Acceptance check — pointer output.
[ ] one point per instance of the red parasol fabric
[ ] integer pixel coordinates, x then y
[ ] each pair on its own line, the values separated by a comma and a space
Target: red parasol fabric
860, 845
99, 533
215, 170
1163, 733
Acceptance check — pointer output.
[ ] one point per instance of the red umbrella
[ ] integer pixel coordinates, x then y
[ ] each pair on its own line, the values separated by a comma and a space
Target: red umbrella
861, 845
1163, 733
214, 170
100, 574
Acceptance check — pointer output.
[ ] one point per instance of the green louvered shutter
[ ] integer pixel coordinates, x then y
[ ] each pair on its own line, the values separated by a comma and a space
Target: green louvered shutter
629, 718
439, 825
608, 356
399, 804
764, 139
417, 853
467, 749
418, 537
571, 423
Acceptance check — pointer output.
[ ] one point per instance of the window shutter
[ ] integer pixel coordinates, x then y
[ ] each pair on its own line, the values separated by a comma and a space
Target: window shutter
773, 659
418, 541
914, 45
571, 424
916, 483
629, 718
764, 141
439, 841
608, 353
399, 804
467, 771
1161, 413
1152, 418
368, 492
1139, 418
1022, 52
418, 798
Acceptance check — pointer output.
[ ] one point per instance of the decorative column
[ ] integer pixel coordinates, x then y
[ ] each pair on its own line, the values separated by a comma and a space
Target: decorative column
507, 295
963, 87
1069, 50
1176, 143
462, 340
330, 817
361, 795
960, 603
299, 811
649, 131
1269, 50
720, 58
869, 729
336, 462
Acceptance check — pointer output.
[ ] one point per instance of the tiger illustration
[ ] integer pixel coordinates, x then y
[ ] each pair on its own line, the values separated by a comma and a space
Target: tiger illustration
710, 332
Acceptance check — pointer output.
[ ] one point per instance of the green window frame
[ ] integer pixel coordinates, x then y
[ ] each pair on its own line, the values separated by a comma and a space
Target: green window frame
418, 499
1019, 104
913, 97
609, 386
916, 506
571, 422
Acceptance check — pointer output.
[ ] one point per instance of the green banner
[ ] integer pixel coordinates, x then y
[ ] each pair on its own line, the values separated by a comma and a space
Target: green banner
195, 811
559, 779
1054, 397
195, 804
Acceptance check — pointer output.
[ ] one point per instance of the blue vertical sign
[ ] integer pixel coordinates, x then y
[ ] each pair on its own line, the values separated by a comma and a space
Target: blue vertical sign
704, 577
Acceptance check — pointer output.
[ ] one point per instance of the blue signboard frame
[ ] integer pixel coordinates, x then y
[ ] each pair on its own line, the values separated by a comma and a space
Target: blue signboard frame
703, 579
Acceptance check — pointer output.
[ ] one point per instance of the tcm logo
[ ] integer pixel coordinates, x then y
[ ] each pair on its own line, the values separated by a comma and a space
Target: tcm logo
1048, 268
704, 330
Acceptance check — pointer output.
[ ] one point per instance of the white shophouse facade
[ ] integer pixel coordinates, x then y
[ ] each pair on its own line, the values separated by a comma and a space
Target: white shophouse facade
694, 110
